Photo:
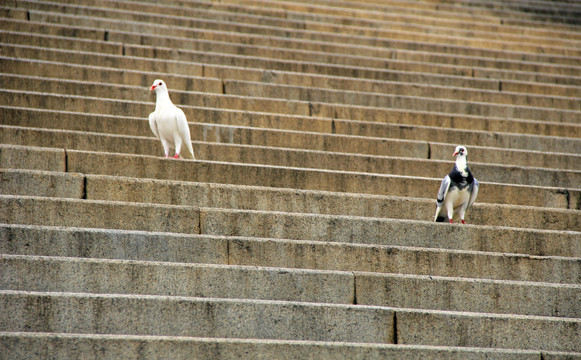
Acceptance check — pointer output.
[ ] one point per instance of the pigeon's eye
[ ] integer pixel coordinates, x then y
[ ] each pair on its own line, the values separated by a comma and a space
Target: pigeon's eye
159, 84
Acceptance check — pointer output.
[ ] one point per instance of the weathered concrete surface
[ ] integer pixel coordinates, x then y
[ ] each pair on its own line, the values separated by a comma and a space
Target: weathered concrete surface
478, 330
348, 90
23, 345
252, 223
58, 274
510, 137
460, 294
113, 244
191, 316
306, 179
99, 214
42, 183
29, 157
329, 83
114, 130
326, 43
114, 188
214, 249
318, 102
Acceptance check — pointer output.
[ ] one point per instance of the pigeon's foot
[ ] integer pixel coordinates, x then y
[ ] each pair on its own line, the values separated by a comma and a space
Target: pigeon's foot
451, 221
176, 156
166, 156
463, 222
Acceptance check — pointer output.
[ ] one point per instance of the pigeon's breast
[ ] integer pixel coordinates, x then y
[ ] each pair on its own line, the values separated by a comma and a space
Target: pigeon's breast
166, 124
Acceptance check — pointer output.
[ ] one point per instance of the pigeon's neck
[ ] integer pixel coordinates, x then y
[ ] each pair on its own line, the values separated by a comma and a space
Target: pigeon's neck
462, 166
162, 99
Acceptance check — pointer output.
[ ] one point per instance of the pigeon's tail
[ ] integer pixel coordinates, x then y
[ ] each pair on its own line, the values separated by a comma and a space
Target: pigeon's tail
441, 219
191, 149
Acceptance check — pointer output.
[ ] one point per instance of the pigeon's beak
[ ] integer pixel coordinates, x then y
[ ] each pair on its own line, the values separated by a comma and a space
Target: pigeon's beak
455, 153
152, 87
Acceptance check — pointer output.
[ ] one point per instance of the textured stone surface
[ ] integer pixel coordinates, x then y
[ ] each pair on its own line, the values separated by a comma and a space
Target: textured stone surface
63, 346
188, 316
304, 229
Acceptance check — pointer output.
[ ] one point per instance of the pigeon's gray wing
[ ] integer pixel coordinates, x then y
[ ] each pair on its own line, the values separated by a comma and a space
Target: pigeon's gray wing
153, 124
441, 196
474, 192
443, 190
184, 130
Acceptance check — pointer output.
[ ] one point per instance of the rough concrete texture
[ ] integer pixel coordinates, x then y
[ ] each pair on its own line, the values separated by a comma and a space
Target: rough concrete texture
421, 292
305, 140
431, 127
23, 345
99, 214
190, 316
113, 244
304, 229
112, 188
52, 274
306, 179
462, 329
138, 245
27, 157
154, 278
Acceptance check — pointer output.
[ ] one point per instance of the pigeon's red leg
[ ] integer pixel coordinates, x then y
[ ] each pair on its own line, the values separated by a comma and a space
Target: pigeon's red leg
463, 222
451, 221
176, 156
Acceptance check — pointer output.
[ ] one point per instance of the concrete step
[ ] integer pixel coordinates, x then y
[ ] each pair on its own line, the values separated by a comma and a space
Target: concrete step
279, 177
291, 139
23, 345
110, 188
59, 274
353, 92
497, 258
269, 16
390, 79
109, 124
403, 42
389, 39
167, 60
44, 211
76, 275
392, 20
290, 55
404, 159
190, 316
439, 24
373, 9
350, 25
128, 251
321, 102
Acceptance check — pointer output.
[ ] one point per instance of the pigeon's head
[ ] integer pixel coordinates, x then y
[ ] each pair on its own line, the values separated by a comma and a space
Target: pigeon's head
158, 85
460, 151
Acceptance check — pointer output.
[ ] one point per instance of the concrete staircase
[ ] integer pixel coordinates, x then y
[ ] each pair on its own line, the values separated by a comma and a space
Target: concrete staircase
322, 130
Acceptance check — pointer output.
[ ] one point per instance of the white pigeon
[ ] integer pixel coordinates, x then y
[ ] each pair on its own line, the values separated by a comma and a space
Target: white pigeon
458, 190
168, 122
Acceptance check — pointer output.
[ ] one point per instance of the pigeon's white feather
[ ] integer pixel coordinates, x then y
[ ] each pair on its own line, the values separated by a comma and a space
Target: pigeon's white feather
153, 124
184, 131
168, 122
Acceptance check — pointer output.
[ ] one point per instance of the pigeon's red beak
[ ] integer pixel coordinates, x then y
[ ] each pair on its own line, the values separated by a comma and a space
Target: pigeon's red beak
153, 87
455, 153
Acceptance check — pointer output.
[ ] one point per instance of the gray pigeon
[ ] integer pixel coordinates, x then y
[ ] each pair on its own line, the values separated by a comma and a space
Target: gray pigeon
458, 190
168, 122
